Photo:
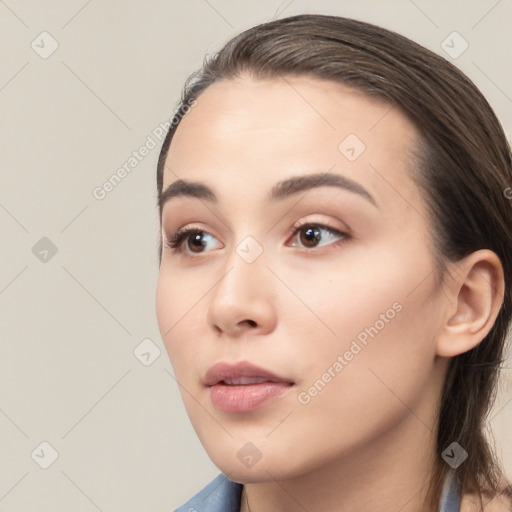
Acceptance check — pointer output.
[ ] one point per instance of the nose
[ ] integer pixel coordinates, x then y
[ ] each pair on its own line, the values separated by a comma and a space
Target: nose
243, 300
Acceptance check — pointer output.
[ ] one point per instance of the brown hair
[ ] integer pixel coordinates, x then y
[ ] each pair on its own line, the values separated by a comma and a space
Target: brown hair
463, 168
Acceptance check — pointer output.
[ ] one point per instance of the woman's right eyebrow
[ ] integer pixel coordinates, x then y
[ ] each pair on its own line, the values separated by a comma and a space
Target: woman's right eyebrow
282, 190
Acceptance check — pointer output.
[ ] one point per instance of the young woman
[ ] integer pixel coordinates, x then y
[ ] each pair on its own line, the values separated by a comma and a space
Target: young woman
335, 279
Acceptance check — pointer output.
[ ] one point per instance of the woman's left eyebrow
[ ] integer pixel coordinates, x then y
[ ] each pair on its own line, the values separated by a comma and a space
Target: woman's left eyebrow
281, 190
297, 184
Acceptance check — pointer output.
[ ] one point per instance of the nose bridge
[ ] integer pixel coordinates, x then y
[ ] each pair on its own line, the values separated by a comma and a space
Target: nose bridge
243, 292
244, 271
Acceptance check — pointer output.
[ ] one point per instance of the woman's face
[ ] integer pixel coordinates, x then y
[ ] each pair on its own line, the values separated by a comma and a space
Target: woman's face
329, 288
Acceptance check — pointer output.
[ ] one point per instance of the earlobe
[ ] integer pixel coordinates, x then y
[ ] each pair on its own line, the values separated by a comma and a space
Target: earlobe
475, 294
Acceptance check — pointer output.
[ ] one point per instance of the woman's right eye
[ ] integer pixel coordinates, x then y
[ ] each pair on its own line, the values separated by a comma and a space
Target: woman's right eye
192, 237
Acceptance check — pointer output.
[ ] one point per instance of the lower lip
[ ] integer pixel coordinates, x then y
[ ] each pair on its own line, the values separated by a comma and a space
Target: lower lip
247, 397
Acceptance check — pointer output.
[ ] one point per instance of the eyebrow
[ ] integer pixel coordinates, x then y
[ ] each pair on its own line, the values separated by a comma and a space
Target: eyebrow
281, 190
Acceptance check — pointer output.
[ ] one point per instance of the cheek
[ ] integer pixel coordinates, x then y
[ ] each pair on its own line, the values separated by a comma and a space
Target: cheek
175, 305
165, 305
380, 316
373, 386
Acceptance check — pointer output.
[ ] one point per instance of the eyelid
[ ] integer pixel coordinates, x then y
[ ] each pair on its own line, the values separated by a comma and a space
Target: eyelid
325, 224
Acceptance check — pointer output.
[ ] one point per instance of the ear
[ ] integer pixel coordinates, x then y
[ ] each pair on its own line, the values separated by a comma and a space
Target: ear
475, 294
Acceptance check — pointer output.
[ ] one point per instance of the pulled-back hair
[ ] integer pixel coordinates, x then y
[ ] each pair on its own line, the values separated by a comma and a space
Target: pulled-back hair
463, 169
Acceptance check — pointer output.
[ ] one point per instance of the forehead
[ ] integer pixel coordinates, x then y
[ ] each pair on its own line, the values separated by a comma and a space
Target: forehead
255, 132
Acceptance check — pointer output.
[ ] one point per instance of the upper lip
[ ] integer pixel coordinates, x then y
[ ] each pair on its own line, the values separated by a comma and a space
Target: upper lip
228, 371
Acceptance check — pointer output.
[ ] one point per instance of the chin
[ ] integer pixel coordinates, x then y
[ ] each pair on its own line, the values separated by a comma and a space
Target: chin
266, 469
253, 475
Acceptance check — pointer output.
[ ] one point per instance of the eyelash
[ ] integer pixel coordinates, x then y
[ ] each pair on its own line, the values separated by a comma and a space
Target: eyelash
176, 240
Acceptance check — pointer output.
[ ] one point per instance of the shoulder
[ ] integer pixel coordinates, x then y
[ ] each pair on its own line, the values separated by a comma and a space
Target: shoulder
220, 495
499, 503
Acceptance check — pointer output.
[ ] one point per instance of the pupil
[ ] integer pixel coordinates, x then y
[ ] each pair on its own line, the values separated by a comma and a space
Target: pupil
312, 235
197, 241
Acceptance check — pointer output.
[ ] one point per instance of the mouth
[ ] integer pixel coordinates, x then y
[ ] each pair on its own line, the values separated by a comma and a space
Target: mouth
243, 387
241, 374
244, 381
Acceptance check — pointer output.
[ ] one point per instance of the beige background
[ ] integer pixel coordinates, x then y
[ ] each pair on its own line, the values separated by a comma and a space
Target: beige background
70, 324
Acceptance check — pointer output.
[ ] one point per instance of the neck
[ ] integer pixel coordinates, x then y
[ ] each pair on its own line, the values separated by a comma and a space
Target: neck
391, 473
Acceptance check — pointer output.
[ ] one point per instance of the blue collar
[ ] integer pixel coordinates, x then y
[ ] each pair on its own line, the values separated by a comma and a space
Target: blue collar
450, 497
224, 495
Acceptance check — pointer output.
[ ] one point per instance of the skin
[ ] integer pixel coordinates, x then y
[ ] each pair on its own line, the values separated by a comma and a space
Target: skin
367, 440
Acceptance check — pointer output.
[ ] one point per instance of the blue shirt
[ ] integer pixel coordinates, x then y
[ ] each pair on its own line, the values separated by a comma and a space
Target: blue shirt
224, 495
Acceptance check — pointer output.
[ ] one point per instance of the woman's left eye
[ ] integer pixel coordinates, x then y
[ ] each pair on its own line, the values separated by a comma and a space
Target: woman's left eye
196, 239
311, 234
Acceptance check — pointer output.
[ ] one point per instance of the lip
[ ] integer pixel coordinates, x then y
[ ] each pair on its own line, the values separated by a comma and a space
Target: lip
237, 397
225, 371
